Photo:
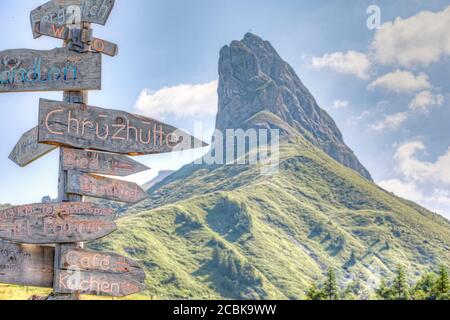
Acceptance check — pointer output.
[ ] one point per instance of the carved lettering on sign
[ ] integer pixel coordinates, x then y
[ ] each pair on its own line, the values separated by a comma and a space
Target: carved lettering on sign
56, 223
108, 130
69, 12
56, 70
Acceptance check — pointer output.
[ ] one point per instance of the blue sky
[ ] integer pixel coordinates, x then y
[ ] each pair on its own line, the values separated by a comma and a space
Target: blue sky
388, 88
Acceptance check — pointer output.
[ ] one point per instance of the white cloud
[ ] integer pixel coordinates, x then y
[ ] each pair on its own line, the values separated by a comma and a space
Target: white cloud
425, 100
438, 200
390, 122
180, 101
340, 104
426, 183
402, 189
351, 62
402, 82
421, 39
416, 170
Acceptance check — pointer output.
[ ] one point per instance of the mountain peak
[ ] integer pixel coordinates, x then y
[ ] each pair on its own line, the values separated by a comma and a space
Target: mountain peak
253, 78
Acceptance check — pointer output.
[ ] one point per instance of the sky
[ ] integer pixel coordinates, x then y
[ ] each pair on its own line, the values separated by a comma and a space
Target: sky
386, 84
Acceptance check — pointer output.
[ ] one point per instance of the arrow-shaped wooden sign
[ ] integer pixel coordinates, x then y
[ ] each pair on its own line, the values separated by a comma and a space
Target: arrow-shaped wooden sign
65, 33
100, 262
69, 12
87, 127
104, 188
28, 149
26, 265
69, 222
55, 70
100, 163
96, 283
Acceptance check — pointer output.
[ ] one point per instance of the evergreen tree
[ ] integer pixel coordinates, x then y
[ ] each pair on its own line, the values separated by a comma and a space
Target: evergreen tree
400, 287
330, 288
424, 288
384, 292
442, 285
314, 293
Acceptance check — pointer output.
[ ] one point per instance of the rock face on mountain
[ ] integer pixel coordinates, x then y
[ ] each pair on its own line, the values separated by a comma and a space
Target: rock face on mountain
253, 78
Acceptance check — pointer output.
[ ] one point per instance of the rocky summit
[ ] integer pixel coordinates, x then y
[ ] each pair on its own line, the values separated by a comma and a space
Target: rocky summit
254, 79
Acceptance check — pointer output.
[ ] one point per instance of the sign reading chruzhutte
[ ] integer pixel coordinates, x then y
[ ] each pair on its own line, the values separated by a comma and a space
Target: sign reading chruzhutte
100, 163
59, 69
28, 149
26, 265
69, 222
104, 188
87, 127
68, 12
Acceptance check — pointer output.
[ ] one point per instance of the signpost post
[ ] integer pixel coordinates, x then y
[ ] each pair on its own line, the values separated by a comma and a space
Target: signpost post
92, 142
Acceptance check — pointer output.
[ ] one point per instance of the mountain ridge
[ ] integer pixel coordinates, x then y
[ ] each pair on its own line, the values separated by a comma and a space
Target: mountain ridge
253, 78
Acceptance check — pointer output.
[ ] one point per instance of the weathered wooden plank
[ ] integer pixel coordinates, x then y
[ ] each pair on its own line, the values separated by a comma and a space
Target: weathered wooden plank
68, 12
105, 47
26, 265
55, 70
56, 223
28, 149
101, 262
95, 283
104, 188
100, 163
114, 131
65, 33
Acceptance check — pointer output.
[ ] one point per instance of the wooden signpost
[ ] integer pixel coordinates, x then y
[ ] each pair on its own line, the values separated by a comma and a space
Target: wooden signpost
100, 163
100, 262
69, 12
55, 70
28, 149
65, 33
96, 283
91, 141
115, 131
26, 265
69, 222
104, 188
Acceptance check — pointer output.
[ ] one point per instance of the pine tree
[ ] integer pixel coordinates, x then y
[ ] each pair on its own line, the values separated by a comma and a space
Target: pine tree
400, 287
442, 286
424, 288
314, 293
330, 288
384, 292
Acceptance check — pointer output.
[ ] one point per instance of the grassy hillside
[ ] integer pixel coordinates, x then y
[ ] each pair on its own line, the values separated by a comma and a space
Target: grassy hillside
232, 233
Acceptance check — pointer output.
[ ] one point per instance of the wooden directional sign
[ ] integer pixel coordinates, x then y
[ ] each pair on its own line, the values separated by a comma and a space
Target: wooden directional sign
56, 70
100, 262
100, 163
26, 265
64, 33
68, 12
86, 127
56, 223
104, 188
96, 283
28, 149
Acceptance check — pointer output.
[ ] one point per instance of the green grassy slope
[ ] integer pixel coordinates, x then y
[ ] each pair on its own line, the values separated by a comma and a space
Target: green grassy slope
230, 232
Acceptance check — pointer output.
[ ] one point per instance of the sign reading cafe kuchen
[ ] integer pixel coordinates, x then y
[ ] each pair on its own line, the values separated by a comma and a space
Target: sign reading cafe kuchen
56, 70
